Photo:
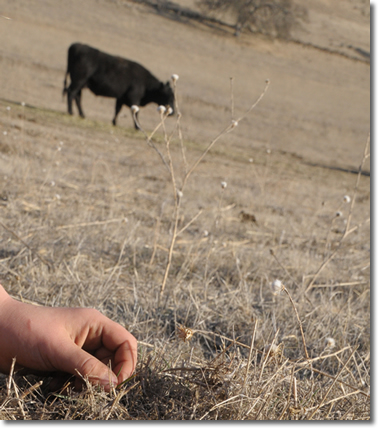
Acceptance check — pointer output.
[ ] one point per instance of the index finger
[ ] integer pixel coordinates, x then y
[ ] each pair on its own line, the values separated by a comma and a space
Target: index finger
124, 345
114, 342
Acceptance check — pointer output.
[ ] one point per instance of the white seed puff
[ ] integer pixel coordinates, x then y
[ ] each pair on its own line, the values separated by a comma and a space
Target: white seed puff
277, 286
330, 342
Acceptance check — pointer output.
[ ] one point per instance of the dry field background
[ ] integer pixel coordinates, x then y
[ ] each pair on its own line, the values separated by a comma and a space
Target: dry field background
87, 211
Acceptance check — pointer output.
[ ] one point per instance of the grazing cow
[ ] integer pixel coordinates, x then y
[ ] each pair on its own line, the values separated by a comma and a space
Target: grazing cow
112, 76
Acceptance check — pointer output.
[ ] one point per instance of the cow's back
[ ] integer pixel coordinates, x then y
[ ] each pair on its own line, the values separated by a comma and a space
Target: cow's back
82, 60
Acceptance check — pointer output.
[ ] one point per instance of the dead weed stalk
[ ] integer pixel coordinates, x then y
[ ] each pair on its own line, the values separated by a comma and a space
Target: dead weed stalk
178, 193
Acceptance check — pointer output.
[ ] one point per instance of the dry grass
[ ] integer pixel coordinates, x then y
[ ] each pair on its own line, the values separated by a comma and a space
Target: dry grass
84, 226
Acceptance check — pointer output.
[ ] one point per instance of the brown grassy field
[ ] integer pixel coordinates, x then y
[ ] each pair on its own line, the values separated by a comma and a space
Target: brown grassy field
90, 214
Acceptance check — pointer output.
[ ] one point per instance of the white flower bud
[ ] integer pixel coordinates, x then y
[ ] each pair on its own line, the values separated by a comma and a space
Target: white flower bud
134, 109
180, 194
346, 199
234, 123
223, 184
23, 103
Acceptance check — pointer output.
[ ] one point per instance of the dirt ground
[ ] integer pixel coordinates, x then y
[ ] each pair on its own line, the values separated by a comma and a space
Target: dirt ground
80, 192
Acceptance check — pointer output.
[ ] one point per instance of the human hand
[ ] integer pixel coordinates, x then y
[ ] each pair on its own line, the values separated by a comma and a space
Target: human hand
65, 340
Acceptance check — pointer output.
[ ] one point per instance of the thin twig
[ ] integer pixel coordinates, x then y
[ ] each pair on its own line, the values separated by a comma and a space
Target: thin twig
9, 380
322, 357
149, 138
48, 264
232, 97
189, 223
341, 381
31, 389
118, 397
347, 231
249, 356
178, 126
299, 321
333, 383
267, 355
289, 394
225, 131
222, 403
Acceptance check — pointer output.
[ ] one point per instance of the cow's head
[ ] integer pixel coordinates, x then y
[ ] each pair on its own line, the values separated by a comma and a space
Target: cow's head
167, 97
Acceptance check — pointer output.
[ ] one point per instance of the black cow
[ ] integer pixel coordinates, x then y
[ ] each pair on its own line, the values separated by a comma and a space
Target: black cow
112, 76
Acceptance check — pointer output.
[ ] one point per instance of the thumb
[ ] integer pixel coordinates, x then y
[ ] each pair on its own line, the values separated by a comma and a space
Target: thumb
80, 363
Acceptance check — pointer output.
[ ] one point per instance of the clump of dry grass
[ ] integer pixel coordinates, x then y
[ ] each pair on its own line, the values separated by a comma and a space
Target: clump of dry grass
187, 274
167, 385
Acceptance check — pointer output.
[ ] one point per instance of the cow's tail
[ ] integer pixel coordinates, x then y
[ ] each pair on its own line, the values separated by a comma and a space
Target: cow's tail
67, 73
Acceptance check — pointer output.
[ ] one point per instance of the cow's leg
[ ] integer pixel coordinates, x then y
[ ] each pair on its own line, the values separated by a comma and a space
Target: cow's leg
136, 120
133, 98
118, 107
78, 103
74, 93
69, 100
